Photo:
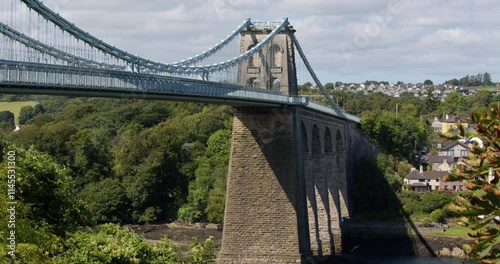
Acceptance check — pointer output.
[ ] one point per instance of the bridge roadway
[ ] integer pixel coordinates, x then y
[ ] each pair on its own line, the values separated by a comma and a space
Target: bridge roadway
37, 78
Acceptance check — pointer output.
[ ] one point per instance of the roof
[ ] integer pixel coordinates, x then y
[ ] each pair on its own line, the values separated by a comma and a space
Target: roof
414, 175
426, 175
439, 159
454, 119
452, 143
434, 175
418, 184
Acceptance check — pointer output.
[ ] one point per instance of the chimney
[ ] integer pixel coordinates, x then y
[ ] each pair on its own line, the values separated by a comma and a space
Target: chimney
447, 117
413, 169
421, 169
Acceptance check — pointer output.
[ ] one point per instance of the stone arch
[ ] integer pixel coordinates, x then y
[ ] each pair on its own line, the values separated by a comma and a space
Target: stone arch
339, 142
251, 59
316, 141
275, 84
328, 141
276, 55
341, 175
253, 82
305, 146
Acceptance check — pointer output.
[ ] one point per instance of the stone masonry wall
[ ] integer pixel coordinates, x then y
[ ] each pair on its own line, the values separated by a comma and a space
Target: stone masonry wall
260, 224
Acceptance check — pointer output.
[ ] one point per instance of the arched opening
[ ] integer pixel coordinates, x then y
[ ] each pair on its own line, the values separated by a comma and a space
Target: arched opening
316, 145
328, 141
253, 59
256, 83
305, 147
276, 55
251, 81
339, 142
276, 84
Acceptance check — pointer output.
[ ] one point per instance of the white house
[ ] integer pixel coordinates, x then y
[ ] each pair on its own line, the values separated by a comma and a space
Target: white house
422, 181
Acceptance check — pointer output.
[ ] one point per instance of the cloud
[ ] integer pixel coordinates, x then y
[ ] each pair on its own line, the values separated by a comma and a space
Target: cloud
442, 38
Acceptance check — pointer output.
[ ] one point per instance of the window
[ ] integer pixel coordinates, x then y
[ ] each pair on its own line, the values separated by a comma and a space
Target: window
463, 152
421, 180
451, 152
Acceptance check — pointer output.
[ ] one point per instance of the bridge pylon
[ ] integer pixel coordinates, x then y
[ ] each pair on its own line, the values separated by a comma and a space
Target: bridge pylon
272, 68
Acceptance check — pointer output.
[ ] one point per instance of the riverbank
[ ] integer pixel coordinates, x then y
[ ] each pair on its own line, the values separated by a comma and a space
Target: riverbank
393, 239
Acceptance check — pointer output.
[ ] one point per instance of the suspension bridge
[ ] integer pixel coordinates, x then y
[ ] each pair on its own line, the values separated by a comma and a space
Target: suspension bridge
43, 53
292, 159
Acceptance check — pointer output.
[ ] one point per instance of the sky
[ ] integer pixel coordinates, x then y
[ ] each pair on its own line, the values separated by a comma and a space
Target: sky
344, 40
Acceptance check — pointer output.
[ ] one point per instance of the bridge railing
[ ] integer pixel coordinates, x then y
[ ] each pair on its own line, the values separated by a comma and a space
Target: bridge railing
334, 112
20, 74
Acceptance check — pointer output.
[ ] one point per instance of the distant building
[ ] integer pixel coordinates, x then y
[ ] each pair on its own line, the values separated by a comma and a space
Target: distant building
450, 123
437, 125
422, 181
455, 149
441, 163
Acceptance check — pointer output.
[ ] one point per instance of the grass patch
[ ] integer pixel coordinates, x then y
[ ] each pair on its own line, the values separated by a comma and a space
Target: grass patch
15, 107
486, 88
458, 231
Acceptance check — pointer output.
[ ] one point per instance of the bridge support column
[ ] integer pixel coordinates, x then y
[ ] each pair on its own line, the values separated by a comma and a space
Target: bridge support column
265, 200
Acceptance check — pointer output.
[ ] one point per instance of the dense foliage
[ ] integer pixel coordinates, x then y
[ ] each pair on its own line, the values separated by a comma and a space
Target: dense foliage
134, 161
106, 245
87, 161
7, 120
473, 80
480, 208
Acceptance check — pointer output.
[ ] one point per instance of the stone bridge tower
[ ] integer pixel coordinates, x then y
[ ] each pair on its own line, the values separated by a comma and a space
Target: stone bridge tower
287, 186
272, 68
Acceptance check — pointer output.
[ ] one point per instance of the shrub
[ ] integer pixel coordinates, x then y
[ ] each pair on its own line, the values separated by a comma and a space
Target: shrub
438, 216
432, 201
427, 223
202, 253
107, 244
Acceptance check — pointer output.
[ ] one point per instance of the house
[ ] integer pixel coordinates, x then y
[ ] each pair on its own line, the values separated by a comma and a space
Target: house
452, 186
441, 163
450, 123
422, 181
455, 149
437, 125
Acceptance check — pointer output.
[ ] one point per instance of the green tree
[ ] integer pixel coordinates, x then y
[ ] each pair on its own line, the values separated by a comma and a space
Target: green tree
481, 175
428, 82
107, 201
453, 82
26, 114
396, 135
48, 190
487, 79
431, 102
308, 84
7, 120
329, 86
457, 103
90, 148
206, 197
38, 109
